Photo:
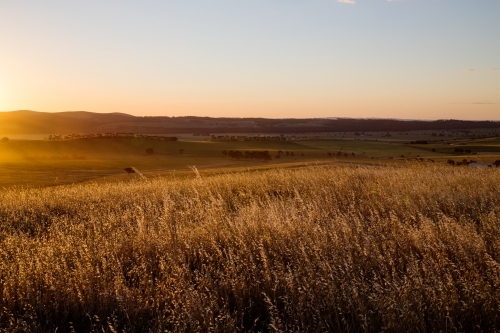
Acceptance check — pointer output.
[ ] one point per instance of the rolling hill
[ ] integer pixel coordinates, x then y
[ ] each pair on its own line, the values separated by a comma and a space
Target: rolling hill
32, 122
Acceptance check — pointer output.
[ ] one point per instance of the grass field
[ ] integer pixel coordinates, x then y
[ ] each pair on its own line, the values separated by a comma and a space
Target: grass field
46, 163
318, 248
40, 163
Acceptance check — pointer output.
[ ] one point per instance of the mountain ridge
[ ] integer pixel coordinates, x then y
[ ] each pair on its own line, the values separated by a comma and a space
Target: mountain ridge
84, 122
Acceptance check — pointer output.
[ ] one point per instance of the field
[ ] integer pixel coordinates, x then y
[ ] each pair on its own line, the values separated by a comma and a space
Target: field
341, 232
319, 248
42, 163
35, 162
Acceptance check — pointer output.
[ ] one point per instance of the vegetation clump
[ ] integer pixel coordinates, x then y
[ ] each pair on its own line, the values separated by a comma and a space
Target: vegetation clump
249, 155
342, 249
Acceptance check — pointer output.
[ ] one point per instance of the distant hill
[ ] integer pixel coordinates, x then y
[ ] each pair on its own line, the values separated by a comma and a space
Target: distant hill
32, 122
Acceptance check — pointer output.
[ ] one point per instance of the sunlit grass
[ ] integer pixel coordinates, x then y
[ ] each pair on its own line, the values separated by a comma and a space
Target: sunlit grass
413, 248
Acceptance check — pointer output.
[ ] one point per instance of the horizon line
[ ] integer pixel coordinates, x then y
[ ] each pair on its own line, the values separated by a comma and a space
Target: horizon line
228, 117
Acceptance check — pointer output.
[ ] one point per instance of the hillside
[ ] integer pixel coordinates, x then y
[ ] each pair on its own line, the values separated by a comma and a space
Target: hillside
317, 249
31, 122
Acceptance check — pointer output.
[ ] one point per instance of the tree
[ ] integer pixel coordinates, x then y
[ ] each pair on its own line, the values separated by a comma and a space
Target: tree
4, 140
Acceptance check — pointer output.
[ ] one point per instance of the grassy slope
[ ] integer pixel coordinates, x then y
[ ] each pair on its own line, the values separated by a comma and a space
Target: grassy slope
106, 158
313, 249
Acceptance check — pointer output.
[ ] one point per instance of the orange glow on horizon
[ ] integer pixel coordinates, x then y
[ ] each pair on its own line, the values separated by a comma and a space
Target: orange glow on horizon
253, 59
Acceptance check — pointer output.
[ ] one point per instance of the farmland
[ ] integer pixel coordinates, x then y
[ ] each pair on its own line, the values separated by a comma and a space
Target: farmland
41, 162
333, 232
34, 161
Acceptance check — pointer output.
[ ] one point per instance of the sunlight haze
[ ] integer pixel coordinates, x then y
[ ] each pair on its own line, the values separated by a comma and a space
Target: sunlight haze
413, 59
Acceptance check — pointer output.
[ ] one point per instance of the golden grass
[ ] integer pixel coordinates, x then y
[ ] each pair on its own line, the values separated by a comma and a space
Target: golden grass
314, 249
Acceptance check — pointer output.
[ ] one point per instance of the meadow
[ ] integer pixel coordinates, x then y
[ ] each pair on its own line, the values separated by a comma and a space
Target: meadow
320, 248
34, 162
47, 163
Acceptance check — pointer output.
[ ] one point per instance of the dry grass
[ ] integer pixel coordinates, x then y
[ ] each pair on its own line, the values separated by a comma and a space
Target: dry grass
315, 249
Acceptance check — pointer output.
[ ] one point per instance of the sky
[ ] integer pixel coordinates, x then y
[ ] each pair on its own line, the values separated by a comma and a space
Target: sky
410, 59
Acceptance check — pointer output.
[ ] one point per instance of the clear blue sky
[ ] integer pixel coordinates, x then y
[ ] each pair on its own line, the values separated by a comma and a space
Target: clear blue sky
373, 58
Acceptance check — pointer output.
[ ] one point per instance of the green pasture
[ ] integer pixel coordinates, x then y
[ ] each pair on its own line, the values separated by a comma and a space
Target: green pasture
480, 147
406, 136
42, 162
369, 149
118, 147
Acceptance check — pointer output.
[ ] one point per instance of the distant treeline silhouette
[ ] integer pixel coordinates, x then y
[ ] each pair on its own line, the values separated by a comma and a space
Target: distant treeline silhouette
248, 138
29, 122
287, 126
248, 155
110, 136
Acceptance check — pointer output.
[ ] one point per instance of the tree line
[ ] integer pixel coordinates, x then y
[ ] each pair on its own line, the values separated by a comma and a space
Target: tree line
464, 162
110, 136
248, 155
248, 138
